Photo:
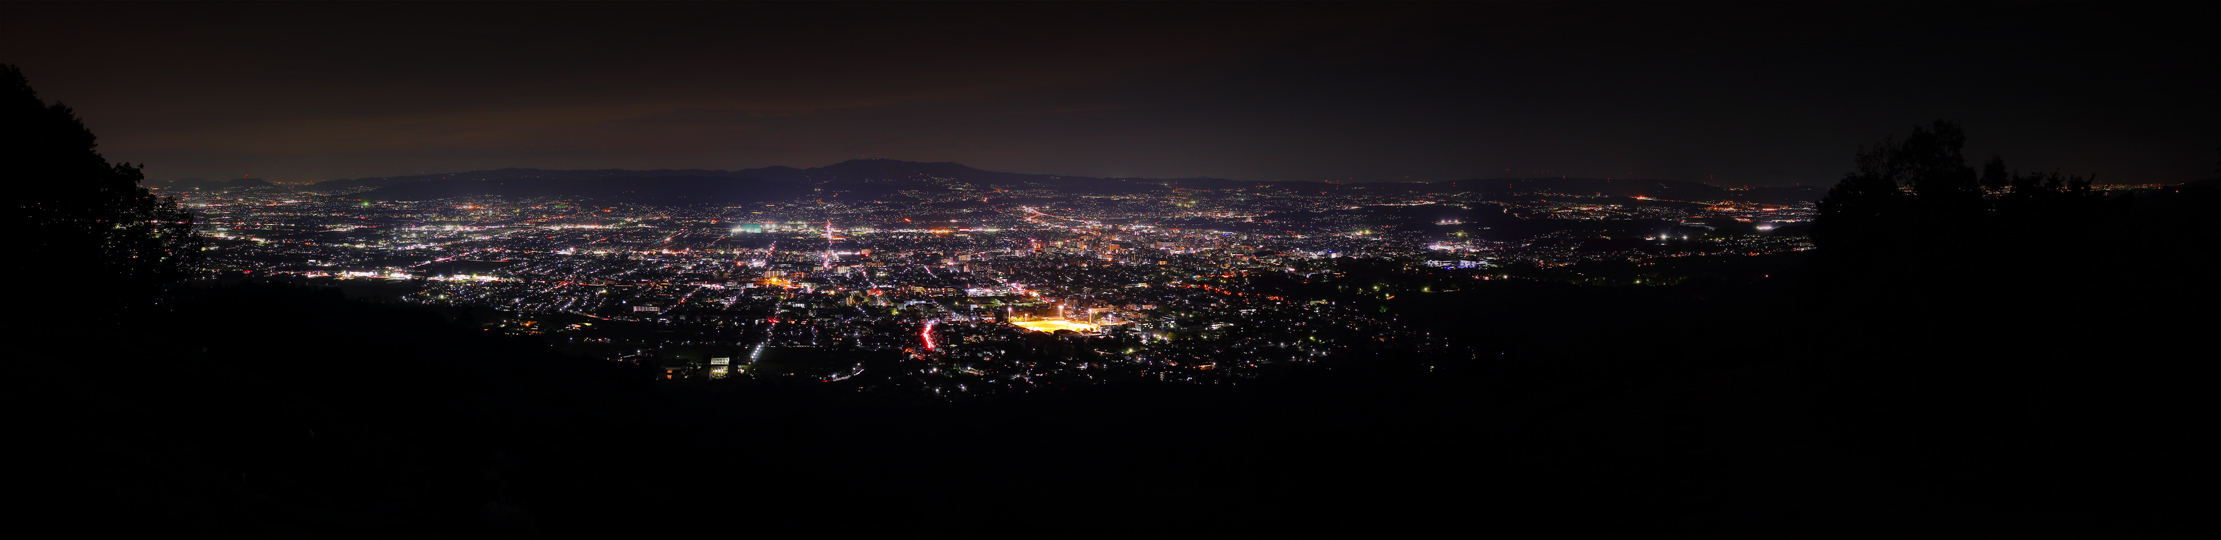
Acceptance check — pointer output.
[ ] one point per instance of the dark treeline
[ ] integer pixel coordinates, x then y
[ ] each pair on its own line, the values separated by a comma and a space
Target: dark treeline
2016, 356
86, 235
1980, 348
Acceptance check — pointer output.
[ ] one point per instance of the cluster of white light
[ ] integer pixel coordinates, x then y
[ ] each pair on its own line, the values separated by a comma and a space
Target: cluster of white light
465, 277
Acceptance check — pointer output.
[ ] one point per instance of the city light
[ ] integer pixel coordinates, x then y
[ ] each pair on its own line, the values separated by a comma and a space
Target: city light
982, 286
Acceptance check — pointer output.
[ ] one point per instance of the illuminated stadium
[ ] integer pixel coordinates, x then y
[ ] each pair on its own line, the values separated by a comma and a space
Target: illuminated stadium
1052, 325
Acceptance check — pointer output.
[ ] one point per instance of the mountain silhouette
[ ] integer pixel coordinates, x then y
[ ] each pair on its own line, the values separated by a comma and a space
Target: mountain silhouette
203, 183
858, 178
883, 178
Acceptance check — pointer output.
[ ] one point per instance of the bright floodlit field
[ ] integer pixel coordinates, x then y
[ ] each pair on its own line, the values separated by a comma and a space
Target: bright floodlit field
1052, 325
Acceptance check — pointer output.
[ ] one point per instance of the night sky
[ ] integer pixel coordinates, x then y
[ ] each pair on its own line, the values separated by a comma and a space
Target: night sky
1739, 94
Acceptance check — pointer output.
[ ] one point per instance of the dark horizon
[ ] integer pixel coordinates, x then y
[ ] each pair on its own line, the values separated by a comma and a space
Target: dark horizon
1737, 94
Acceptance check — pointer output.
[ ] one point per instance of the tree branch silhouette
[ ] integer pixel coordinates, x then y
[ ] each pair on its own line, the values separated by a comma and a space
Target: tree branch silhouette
88, 228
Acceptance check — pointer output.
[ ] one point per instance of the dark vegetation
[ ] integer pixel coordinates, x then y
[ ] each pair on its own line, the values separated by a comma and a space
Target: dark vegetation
84, 233
1950, 361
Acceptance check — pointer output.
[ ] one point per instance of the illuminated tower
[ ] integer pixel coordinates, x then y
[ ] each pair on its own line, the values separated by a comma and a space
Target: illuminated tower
828, 259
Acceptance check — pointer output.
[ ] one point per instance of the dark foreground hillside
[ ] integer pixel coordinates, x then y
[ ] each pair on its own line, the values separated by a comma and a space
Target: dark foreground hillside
1980, 390
277, 411
334, 418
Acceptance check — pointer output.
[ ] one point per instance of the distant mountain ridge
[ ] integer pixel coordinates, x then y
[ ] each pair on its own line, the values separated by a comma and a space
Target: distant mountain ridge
203, 183
855, 170
888, 178
854, 178
513, 173
1679, 190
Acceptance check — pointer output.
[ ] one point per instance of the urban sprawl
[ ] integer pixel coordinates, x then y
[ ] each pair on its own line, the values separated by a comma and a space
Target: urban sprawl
962, 290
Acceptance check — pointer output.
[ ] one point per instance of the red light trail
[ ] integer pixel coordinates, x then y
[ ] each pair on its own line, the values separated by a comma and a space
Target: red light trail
927, 334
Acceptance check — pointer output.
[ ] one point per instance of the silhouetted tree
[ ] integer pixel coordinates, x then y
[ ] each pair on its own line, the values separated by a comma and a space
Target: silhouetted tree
1900, 187
1857, 209
79, 219
1932, 165
2051, 186
1994, 175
